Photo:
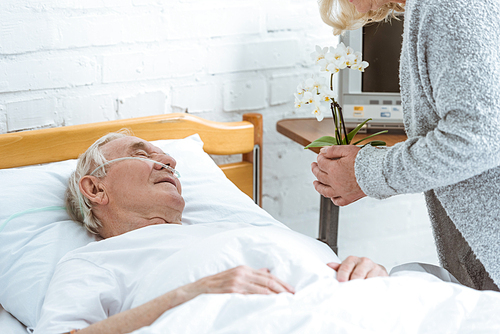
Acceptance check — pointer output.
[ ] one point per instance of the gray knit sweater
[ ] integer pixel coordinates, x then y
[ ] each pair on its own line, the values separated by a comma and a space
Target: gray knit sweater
450, 89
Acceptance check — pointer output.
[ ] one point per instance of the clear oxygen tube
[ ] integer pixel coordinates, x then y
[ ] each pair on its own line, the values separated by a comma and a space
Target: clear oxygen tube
36, 210
167, 167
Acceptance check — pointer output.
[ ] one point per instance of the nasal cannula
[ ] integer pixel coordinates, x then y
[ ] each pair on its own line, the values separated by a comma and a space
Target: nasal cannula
167, 167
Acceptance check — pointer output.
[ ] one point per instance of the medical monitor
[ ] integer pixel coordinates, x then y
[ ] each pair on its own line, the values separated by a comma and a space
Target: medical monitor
374, 93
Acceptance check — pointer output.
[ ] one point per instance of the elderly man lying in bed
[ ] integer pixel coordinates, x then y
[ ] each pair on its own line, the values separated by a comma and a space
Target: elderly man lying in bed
126, 190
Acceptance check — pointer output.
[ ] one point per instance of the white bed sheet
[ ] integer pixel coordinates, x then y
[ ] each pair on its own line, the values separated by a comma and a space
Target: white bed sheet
9, 324
410, 302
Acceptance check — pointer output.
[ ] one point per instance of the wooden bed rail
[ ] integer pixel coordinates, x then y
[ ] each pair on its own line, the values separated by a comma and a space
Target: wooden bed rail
68, 142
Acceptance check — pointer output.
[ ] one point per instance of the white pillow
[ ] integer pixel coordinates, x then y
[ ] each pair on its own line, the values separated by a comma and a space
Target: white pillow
209, 195
33, 242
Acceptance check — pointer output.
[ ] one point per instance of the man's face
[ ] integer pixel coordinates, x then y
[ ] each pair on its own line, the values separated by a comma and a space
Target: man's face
140, 193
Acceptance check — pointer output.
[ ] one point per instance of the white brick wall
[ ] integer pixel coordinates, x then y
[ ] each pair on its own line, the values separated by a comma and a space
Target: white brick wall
85, 108
196, 97
65, 62
253, 55
47, 72
32, 113
206, 20
247, 93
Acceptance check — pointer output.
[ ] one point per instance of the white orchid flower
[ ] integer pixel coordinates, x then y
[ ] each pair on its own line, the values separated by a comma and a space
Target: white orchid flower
336, 57
311, 84
332, 68
341, 47
308, 98
333, 60
323, 63
341, 62
299, 99
300, 88
340, 51
299, 95
318, 112
310, 92
358, 57
350, 60
360, 66
319, 54
327, 94
330, 56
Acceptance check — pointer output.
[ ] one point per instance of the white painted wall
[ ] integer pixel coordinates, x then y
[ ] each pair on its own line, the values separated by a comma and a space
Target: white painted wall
65, 62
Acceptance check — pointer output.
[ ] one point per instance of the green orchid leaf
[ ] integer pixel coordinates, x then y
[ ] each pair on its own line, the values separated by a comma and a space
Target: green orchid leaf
375, 143
370, 136
378, 143
323, 141
351, 134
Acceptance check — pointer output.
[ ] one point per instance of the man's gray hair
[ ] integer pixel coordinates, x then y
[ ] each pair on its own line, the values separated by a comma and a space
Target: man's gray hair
78, 206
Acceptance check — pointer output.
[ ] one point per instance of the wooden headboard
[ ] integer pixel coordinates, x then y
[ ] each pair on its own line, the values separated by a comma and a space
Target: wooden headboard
220, 138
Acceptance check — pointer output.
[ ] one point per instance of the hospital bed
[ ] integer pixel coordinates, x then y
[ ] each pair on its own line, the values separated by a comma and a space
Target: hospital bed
46, 146
35, 232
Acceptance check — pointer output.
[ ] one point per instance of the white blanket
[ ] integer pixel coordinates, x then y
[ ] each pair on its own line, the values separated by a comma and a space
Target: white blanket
166, 257
413, 304
409, 303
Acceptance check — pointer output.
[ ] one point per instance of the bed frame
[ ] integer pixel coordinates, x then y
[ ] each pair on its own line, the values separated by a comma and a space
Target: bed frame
220, 138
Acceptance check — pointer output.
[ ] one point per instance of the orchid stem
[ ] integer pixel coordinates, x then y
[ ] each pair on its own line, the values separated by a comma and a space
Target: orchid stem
335, 115
336, 123
341, 116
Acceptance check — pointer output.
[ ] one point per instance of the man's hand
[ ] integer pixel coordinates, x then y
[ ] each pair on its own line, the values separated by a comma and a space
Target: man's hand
357, 268
335, 174
244, 280
241, 279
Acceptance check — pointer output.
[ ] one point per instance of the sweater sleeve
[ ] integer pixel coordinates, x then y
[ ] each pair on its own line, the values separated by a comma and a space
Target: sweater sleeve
455, 78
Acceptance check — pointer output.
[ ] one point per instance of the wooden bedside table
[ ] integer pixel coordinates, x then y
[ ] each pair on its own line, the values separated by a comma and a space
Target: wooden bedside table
306, 130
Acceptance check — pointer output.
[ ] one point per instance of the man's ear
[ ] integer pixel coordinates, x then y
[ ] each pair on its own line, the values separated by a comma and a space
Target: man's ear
92, 188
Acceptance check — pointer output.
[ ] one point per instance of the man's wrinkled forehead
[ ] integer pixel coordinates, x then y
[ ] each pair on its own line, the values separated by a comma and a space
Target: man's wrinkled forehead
123, 147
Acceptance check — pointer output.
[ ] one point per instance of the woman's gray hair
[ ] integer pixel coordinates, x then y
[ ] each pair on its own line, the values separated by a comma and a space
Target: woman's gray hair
78, 206
342, 15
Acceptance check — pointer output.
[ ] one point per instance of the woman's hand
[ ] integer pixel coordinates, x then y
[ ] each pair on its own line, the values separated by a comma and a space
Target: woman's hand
244, 280
357, 268
335, 173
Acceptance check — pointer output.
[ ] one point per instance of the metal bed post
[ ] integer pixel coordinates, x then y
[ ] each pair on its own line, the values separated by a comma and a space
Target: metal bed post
256, 156
256, 175
329, 223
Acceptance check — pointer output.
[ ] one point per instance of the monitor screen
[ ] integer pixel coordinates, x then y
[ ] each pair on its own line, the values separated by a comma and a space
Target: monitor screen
382, 48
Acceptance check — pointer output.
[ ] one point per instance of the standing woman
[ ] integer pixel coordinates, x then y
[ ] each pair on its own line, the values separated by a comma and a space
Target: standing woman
450, 92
